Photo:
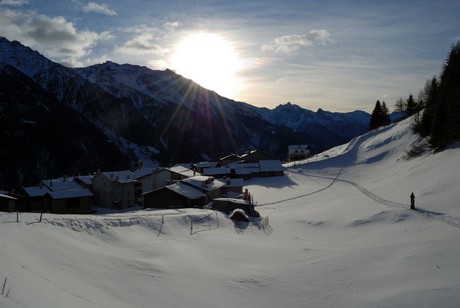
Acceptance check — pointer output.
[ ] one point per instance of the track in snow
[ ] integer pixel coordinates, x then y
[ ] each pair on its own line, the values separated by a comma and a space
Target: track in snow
437, 216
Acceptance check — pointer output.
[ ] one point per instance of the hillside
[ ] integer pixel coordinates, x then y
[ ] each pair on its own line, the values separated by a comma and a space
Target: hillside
340, 234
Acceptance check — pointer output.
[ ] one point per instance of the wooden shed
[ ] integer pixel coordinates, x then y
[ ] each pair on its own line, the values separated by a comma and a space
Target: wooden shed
177, 195
228, 205
72, 201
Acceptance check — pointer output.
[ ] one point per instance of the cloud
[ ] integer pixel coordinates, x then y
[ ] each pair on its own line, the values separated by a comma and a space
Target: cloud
14, 2
92, 7
55, 37
290, 43
171, 26
158, 64
142, 44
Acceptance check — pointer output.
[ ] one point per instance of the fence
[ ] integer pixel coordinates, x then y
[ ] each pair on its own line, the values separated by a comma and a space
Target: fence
197, 225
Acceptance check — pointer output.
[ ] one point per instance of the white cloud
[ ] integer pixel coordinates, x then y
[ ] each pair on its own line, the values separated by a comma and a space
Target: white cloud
290, 43
143, 44
171, 26
92, 7
55, 37
157, 64
14, 2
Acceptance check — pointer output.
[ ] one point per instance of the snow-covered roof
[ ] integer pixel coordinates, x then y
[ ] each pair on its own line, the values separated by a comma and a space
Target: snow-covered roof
124, 176
2, 196
249, 153
233, 200
230, 156
61, 184
185, 165
298, 147
234, 182
185, 190
216, 171
270, 165
242, 171
183, 171
70, 193
85, 178
206, 164
237, 212
243, 165
139, 173
36, 191
204, 182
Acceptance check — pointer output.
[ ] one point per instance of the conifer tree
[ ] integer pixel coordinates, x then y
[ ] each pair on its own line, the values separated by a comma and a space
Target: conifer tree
445, 127
385, 114
411, 106
450, 91
378, 116
429, 101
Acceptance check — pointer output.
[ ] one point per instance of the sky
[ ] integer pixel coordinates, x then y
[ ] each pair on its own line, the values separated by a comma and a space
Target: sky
335, 55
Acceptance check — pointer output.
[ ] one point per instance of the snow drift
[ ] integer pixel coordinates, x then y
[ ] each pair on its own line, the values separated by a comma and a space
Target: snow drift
340, 234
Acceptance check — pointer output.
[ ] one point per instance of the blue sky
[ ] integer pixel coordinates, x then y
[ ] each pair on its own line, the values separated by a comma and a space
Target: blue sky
335, 55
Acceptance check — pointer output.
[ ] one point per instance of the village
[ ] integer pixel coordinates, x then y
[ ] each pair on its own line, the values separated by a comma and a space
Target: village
193, 185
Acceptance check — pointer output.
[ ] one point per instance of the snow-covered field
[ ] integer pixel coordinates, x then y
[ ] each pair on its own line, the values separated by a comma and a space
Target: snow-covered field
339, 233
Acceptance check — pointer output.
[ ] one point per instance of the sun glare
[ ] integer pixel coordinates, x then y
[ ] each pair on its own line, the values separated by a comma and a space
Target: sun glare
209, 60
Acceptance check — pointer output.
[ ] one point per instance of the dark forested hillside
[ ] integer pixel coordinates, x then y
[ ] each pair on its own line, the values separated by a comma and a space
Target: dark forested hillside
41, 138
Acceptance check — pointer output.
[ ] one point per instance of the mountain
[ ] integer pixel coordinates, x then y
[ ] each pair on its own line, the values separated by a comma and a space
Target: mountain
327, 127
157, 117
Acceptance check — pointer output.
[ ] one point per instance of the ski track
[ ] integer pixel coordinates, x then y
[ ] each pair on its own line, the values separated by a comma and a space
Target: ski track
436, 216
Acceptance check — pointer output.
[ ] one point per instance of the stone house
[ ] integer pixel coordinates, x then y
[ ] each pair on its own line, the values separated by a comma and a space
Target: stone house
115, 189
298, 151
71, 201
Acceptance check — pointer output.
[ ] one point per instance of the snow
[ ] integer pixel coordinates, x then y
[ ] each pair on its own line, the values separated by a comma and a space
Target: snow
204, 182
185, 190
182, 171
124, 176
36, 191
70, 193
336, 231
60, 184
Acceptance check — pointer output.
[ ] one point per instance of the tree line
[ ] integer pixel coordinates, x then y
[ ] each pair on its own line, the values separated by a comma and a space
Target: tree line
436, 110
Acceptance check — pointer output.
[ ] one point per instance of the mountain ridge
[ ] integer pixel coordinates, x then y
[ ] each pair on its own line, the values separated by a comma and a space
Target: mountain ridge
160, 117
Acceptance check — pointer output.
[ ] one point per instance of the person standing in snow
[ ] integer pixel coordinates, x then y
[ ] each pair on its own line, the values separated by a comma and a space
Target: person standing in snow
412, 201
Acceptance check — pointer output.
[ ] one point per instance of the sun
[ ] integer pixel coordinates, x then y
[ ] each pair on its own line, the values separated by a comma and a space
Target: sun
209, 60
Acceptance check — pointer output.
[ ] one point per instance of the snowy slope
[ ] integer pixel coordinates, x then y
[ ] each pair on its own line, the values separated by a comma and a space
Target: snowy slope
339, 234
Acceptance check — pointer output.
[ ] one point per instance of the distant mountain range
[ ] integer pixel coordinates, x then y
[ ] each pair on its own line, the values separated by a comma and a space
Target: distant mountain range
57, 120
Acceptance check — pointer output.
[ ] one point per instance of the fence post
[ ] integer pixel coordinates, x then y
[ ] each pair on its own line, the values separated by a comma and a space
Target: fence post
162, 219
217, 218
41, 214
3, 287
17, 216
191, 227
